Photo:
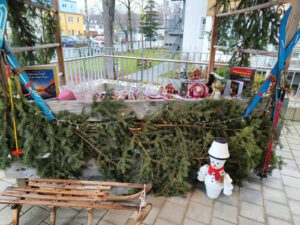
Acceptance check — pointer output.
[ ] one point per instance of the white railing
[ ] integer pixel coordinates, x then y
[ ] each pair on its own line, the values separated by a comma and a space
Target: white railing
153, 70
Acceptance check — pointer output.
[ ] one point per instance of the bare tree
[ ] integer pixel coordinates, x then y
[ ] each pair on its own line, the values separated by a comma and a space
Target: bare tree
121, 22
108, 7
129, 5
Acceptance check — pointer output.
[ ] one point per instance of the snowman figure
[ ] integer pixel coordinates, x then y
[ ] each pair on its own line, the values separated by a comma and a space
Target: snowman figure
213, 175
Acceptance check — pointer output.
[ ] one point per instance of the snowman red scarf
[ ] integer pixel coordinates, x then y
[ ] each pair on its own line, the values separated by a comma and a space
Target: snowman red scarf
216, 171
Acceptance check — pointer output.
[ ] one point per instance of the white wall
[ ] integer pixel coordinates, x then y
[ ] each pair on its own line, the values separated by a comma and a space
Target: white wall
194, 11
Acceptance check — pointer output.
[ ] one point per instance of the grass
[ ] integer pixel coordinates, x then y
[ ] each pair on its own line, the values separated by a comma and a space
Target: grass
93, 67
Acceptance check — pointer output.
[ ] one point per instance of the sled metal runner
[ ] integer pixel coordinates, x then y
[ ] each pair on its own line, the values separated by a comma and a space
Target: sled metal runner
56, 193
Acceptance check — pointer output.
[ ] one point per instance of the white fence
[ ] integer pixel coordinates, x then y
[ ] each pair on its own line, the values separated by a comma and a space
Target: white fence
152, 70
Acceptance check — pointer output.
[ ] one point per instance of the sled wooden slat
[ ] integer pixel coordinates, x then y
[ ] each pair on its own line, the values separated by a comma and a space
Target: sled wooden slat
90, 204
62, 192
103, 183
56, 193
70, 186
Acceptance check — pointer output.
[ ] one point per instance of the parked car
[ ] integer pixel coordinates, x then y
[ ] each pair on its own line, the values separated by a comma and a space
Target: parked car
83, 41
97, 42
69, 41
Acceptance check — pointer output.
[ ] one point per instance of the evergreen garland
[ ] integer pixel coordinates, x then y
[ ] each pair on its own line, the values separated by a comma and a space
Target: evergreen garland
165, 149
252, 30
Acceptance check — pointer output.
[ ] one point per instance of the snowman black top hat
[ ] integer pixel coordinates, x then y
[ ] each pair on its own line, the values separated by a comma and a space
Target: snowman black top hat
219, 149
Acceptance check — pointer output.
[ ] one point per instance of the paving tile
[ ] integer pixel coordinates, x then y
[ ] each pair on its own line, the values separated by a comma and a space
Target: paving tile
64, 216
103, 222
117, 216
246, 221
2, 206
292, 193
276, 173
34, 216
289, 163
272, 183
251, 183
181, 200
285, 154
160, 221
295, 144
81, 218
153, 214
297, 159
199, 212
156, 201
168, 212
3, 185
217, 221
296, 154
225, 212
274, 195
277, 210
201, 197
294, 207
188, 221
6, 216
251, 196
233, 199
288, 171
25, 208
2, 174
275, 221
296, 220
252, 211
291, 181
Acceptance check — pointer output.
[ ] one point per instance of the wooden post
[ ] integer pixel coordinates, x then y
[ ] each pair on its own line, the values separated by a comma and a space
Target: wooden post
292, 25
60, 54
16, 214
90, 216
214, 37
52, 215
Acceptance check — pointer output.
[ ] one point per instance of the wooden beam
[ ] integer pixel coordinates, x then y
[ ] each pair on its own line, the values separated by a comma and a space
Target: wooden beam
213, 42
34, 48
253, 8
39, 6
292, 25
248, 50
60, 54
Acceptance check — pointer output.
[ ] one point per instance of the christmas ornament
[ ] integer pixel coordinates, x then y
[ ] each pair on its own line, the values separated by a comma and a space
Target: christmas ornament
171, 89
216, 87
196, 74
66, 95
197, 90
213, 175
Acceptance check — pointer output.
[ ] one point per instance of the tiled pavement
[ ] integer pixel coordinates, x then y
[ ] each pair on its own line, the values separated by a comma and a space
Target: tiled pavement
273, 201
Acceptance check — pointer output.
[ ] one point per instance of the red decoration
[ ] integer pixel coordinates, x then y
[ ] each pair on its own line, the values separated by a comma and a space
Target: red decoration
216, 171
17, 152
171, 89
197, 90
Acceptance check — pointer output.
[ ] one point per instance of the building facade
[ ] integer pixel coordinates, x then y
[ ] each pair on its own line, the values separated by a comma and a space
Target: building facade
71, 21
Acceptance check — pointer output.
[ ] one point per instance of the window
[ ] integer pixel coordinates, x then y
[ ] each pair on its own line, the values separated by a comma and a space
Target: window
64, 5
202, 27
70, 19
78, 20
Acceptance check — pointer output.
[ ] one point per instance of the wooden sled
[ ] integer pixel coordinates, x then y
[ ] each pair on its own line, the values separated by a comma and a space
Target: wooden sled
55, 193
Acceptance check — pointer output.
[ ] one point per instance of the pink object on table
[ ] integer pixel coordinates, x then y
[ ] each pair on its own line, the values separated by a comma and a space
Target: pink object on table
66, 95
